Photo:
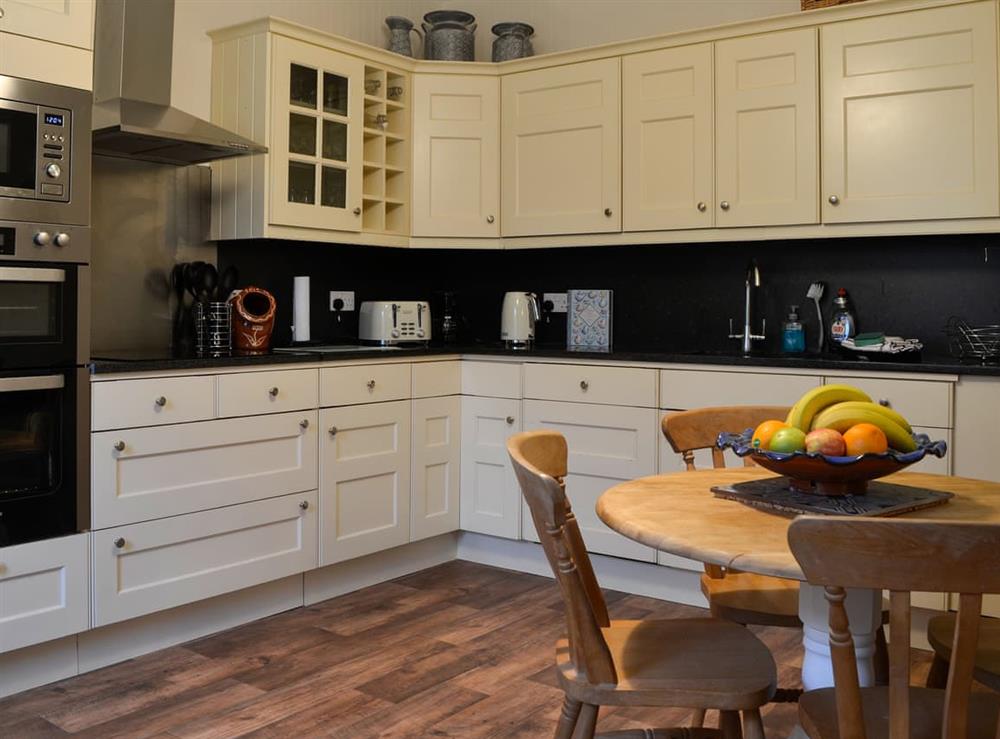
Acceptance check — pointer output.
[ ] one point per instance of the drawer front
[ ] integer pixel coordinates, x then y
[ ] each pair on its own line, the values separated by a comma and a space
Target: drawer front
922, 402
684, 390
170, 470
591, 384
434, 379
44, 591
366, 383
167, 563
491, 379
122, 404
253, 393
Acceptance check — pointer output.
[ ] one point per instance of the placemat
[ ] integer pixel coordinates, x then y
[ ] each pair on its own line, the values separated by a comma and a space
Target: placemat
882, 498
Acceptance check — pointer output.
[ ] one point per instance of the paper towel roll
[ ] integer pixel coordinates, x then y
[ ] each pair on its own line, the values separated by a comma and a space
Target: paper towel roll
300, 309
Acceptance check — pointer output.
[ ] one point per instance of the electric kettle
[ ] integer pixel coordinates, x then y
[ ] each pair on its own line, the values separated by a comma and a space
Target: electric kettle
517, 319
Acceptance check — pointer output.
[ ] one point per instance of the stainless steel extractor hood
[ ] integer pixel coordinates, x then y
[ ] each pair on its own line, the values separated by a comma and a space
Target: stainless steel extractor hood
133, 117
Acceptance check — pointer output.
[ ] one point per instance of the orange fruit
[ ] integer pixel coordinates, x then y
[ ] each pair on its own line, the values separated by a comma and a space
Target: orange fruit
763, 433
865, 438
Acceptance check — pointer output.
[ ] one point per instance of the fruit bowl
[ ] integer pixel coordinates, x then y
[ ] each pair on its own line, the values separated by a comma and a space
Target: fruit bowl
811, 472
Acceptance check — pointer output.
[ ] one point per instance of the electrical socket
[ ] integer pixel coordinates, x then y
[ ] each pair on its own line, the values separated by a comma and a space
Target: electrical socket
560, 301
346, 295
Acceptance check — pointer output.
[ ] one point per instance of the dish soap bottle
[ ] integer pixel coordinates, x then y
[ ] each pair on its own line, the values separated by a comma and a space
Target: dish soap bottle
793, 336
843, 326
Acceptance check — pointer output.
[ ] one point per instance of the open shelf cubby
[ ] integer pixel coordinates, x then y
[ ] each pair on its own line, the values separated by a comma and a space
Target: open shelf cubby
386, 129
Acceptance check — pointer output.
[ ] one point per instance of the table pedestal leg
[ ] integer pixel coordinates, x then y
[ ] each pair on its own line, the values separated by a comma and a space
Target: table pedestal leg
864, 611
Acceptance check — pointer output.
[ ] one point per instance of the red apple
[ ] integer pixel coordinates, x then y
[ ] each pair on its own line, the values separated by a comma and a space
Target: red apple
826, 441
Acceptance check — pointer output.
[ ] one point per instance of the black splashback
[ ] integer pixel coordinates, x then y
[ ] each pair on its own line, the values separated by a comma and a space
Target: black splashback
666, 297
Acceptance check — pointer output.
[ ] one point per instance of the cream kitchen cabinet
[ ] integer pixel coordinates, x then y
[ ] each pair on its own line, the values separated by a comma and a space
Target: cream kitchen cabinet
491, 498
456, 156
435, 477
668, 142
561, 149
44, 590
364, 479
145, 567
977, 410
767, 129
910, 115
607, 445
65, 22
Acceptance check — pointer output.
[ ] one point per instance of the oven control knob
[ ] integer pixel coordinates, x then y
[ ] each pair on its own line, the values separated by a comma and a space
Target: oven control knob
42, 238
62, 239
53, 170
395, 333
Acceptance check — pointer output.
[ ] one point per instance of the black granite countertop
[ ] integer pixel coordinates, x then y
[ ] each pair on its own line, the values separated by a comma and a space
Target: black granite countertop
145, 361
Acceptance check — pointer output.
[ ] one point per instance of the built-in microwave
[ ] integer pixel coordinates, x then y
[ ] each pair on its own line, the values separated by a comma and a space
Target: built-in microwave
44, 152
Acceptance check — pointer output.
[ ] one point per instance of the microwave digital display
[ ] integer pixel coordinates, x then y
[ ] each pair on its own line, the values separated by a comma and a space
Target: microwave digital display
53, 119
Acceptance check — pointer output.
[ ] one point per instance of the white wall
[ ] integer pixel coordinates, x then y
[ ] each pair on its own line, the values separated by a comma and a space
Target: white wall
559, 25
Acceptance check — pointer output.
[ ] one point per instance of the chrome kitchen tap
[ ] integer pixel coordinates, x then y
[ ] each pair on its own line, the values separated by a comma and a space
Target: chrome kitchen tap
753, 280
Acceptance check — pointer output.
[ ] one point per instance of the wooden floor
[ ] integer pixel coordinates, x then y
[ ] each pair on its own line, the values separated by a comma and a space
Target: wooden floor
459, 650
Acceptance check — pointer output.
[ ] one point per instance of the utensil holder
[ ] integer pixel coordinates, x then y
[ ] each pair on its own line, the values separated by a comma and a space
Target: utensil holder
213, 328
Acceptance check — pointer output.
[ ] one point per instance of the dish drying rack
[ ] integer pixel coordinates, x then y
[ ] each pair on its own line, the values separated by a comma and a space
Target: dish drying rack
973, 342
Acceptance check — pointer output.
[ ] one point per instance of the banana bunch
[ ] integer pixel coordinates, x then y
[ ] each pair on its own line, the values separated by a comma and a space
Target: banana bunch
839, 407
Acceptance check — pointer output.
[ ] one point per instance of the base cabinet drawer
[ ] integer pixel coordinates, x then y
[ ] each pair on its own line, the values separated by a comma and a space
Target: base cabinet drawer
591, 384
364, 383
607, 445
142, 474
684, 390
922, 402
491, 498
122, 404
435, 425
251, 393
364, 479
44, 591
148, 567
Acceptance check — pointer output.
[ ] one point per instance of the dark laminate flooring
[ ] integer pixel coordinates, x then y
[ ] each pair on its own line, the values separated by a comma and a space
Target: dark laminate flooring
458, 650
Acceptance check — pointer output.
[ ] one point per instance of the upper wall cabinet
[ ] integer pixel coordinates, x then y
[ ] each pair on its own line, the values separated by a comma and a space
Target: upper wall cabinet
767, 129
69, 22
910, 115
561, 150
48, 40
456, 156
667, 139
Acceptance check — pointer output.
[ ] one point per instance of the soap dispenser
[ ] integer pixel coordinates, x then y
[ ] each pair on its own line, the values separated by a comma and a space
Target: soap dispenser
793, 335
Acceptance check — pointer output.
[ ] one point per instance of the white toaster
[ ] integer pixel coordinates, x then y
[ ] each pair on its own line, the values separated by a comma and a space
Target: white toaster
386, 322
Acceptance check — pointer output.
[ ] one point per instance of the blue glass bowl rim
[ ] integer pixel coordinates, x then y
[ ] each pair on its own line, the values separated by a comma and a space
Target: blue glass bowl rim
741, 444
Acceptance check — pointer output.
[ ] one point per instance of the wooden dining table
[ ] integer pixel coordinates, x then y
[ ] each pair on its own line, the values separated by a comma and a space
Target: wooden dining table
679, 514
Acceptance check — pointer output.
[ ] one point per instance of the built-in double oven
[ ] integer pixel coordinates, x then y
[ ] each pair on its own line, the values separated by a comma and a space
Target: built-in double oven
44, 310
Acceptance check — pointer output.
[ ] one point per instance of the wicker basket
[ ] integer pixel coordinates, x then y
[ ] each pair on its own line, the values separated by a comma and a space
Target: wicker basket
815, 4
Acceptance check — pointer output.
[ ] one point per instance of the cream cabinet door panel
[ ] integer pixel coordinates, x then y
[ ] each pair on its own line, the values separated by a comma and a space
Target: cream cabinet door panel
491, 498
69, 22
561, 150
456, 156
34, 59
766, 128
169, 470
607, 445
316, 145
178, 560
977, 408
910, 116
364, 479
667, 139
436, 475
44, 590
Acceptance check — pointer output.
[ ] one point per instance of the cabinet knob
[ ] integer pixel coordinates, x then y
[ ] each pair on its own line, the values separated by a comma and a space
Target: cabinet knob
119, 446
370, 384
304, 505
273, 392
584, 385
884, 402
2, 13
510, 420
702, 206
608, 212
834, 200
490, 219
333, 431
119, 543
724, 205
304, 423
161, 401
357, 210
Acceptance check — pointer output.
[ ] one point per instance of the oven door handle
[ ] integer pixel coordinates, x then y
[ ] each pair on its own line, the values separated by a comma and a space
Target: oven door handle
31, 274
37, 382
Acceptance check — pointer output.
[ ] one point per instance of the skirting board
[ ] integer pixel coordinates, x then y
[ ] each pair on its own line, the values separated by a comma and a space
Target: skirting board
640, 578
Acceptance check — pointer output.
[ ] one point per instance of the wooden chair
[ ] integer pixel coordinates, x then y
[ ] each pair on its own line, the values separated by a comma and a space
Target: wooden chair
901, 555
686, 662
941, 635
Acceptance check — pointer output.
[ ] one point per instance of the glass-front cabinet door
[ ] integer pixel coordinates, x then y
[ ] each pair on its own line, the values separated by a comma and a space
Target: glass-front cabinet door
316, 137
